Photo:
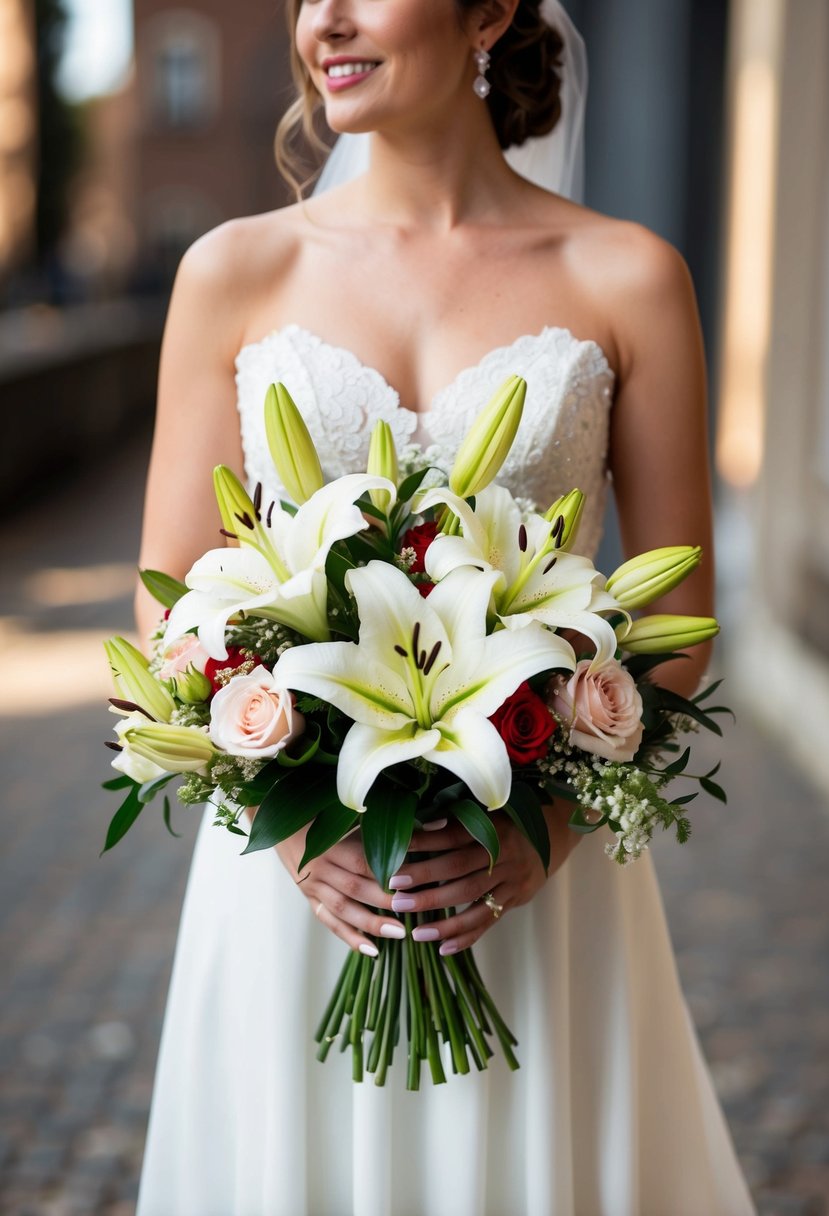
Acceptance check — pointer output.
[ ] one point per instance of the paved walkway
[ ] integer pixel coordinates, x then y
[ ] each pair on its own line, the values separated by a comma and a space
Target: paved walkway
87, 943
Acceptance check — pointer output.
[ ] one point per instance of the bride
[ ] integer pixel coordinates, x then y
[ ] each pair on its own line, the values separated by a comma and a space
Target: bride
439, 253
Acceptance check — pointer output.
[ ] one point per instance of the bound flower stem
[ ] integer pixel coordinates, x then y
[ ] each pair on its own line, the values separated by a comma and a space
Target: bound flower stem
449, 1014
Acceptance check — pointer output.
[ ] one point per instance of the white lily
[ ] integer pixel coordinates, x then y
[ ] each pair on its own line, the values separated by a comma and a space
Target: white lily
422, 680
279, 570
537, 582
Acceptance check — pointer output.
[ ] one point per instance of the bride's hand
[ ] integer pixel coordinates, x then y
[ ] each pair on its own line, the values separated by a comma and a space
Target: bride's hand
461, 866
342, 891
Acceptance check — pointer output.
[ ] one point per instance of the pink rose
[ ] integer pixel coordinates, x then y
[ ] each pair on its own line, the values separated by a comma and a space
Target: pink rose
179, 655
252, 716
602, 710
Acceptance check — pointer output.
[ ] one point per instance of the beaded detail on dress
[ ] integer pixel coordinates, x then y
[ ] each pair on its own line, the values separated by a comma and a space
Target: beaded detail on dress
561, 442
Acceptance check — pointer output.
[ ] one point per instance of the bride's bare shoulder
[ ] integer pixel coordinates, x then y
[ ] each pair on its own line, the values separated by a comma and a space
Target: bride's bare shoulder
637, 279
225, 274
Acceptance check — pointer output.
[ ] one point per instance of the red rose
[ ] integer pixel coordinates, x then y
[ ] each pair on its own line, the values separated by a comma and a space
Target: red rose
419, 539
236, 659
525, 724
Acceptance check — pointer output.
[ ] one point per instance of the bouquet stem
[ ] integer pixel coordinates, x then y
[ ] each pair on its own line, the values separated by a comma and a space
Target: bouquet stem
443, 999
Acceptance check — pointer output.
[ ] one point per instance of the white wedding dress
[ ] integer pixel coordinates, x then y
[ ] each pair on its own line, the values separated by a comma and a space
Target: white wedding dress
612, 1112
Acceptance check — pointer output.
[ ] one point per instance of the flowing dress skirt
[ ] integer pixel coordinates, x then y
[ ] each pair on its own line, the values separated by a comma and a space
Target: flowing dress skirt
612, 1112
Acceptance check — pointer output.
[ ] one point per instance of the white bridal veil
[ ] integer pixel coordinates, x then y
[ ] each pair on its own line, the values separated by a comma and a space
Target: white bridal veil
554, 161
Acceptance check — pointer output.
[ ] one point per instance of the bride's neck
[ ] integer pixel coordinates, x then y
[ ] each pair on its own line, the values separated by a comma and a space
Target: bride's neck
436, 181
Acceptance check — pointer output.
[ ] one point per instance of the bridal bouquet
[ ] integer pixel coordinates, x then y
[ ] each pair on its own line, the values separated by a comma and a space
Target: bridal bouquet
384, 651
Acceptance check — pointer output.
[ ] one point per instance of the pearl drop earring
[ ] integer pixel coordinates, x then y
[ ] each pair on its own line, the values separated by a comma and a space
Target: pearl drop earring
480, 83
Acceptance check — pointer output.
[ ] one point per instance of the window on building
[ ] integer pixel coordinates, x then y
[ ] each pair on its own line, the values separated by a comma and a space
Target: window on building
183, 62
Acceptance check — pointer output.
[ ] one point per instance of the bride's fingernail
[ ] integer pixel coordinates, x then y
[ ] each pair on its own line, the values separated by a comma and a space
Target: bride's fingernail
403, 903
392, 929
449, 947
400, 880
367, 948
426, 933
435, 825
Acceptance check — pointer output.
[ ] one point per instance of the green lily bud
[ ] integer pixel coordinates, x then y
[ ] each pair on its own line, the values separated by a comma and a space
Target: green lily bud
291, 447
645, 578
241, 517
135, 682
382, 462
664, 633
191, 685
176, 749
489, 440
569, 508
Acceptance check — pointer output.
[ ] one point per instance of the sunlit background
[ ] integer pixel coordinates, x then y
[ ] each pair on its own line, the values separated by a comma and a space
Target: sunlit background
128, 128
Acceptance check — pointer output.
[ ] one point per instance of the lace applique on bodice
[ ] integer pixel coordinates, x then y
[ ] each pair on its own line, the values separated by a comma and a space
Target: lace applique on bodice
561, 442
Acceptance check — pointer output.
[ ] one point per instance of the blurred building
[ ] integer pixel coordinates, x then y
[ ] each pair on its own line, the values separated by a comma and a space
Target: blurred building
18, 133
773, 439
212, 80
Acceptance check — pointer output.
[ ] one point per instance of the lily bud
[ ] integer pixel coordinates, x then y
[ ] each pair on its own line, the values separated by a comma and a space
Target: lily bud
664, 633
191, 685
242, 519
569, 508
645, 578
291, 447
176, 749
489, 440
382, 462
135, 682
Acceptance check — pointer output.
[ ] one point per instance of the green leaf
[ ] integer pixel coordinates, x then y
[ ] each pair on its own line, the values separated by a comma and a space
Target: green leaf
167, 823
368, 508
118, 783
387, 826
328, 829
123, 819
640, 664
683, 799
149, 789
479, 825
310, 742
411, 484
678, 766
711, 787
579, 824
288, 806
337, 565
231, 827
163, 587
674, 703
706, 692
524, 809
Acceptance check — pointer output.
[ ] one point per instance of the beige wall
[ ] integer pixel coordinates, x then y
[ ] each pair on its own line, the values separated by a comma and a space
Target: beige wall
773, 442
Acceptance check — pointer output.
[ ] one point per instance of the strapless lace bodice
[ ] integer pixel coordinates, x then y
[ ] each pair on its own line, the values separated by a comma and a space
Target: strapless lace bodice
561, 442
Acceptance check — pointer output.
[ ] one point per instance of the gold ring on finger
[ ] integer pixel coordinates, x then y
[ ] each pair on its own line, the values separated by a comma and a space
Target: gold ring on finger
318, 909
495, 908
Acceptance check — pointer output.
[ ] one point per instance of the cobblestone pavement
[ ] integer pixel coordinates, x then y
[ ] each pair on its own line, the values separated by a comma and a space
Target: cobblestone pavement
87, 943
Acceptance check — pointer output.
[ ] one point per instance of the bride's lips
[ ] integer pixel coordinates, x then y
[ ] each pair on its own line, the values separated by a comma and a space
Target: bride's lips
337, 83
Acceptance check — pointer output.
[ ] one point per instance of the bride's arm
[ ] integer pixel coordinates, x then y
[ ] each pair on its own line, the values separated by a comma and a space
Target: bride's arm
659, 433
196, 426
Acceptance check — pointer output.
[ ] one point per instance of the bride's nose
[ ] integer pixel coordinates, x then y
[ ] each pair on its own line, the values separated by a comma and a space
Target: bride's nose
333, 20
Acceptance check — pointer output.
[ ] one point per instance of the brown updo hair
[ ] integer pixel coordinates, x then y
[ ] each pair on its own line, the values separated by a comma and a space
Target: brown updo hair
524, 99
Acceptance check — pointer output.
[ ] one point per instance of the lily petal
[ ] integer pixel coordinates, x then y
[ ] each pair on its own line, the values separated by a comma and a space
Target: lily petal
365, 690
471, 748
367, 750
484, 677
388, 605
328, 516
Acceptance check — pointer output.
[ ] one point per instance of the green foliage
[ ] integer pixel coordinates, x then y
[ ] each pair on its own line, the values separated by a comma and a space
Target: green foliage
387, 826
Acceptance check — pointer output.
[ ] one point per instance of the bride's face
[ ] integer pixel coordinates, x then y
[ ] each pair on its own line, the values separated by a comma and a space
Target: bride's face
420, 54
